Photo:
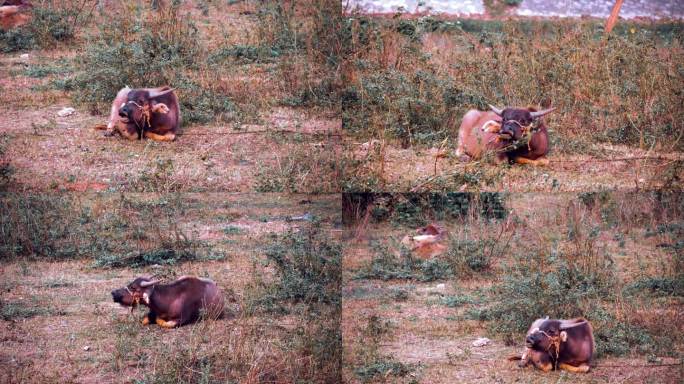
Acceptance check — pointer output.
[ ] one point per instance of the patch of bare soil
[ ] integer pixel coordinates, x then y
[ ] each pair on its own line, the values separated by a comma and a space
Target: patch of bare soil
51, 152
423, 332
426, 169
58, 322
429, 336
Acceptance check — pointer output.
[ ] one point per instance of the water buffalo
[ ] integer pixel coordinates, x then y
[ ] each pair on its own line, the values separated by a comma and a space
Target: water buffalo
512, 134
559, 344
14, 13
175, 304
427, 244
153, 113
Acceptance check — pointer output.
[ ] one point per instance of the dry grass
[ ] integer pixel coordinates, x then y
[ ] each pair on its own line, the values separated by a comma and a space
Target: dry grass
410, 80
242, 118
60, 325
428, 328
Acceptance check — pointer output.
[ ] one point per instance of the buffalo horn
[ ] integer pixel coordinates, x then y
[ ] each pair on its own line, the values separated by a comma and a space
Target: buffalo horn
495, 109
538, 114
146, 284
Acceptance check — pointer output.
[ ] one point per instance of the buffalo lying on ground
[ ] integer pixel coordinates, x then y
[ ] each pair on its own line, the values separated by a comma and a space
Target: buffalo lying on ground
512, 134
153, 113
14, 13
426, 244
559, 344
180, 302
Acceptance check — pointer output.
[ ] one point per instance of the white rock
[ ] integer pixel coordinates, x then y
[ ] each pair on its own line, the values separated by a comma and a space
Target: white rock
86, 348
66, 112
25, 56
437, 288
481, 342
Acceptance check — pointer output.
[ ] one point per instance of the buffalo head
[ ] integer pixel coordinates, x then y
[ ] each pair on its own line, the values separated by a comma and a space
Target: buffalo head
545, 336
516, 122
133, 293
141, 103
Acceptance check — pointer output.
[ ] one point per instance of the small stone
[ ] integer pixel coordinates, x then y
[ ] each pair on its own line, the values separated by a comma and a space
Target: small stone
25, 56
481, 342
86, 348
66, 112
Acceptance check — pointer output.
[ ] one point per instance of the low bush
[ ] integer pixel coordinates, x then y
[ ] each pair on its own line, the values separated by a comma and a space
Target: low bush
302, 169
411, 81
417, 209
51, 23
307, 266
140, 48
63, 226
371, 364
16, 310
387, 266
307, 284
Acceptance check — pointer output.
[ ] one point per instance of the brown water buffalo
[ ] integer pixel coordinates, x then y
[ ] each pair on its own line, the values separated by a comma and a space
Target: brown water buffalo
512, 134
153, 113
175, 304
427, 244
14, 13
559, 344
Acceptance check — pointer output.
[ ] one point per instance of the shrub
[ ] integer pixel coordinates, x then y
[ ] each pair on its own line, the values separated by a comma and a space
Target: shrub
13, 310
412, 80
300, 170
307, 267
39, 226
6, 168
142, 48
387, 266
371, 364
50, 23
468, 256
417, 209
550, 285
307, 283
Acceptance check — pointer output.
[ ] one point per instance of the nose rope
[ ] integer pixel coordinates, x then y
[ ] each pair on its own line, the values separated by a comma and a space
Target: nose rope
555, 344
527, 132
136, 299
146, 115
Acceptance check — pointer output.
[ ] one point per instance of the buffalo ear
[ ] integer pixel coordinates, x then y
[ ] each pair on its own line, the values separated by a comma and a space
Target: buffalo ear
160, 108
564, 336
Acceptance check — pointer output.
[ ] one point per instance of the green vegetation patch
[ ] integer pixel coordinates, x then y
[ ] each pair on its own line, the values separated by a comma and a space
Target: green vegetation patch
413, 80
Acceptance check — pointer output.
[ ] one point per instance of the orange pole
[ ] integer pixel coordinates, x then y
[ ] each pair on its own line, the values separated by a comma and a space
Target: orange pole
612, 19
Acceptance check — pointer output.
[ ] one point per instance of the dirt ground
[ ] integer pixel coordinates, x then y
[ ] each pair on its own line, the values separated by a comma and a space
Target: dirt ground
60, 324
422, 332
426, 169
50, 152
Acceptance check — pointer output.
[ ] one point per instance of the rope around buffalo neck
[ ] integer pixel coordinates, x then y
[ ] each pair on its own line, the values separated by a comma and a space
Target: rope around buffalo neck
146, 115
136, 300
555, 344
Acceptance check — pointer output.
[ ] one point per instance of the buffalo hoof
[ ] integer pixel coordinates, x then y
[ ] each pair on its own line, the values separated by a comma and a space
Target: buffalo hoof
167, 324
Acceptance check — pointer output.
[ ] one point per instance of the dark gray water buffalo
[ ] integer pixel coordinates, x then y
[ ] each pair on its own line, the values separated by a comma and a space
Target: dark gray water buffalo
153, 113
175, 304
559, 344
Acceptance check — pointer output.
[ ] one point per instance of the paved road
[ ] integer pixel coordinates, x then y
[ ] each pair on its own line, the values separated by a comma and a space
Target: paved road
575, 8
